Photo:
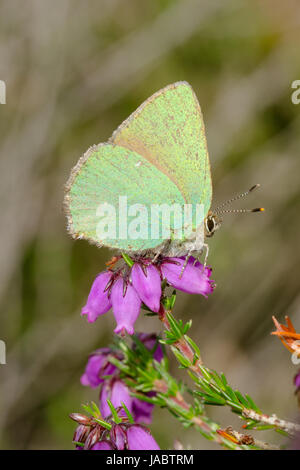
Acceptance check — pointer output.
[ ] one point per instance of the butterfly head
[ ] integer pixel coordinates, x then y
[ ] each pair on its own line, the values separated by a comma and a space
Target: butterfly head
212, 223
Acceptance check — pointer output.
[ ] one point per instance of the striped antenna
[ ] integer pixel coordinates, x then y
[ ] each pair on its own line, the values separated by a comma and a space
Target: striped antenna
240, 196
257, 209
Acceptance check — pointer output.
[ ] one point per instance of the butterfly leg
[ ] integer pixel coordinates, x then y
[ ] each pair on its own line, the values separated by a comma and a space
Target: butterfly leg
205, 245
189, 254
156, 256
185, 263
160, 252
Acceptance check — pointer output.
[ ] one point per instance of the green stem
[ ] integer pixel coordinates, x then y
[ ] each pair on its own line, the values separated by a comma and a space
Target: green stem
216, 392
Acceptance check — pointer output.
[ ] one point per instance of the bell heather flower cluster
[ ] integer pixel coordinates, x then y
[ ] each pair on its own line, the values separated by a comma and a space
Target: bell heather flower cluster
91, 434
113, 388
126, 288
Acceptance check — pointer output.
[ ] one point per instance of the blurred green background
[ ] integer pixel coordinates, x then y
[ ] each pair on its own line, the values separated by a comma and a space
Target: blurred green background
74, 70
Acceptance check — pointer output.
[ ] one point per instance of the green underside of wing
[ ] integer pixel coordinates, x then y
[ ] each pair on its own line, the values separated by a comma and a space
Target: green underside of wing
168, 130
158, 156
106, 173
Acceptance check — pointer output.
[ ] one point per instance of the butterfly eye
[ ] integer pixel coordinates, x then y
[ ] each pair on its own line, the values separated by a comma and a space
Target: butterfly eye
210, 225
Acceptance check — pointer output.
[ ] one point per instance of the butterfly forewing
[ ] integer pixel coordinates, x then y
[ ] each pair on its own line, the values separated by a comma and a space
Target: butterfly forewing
157, 156
168, 130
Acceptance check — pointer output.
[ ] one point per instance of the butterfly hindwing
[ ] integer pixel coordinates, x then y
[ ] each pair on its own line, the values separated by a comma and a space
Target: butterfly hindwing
101, 176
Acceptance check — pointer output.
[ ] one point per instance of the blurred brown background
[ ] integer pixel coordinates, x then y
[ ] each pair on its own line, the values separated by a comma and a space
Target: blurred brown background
74, 70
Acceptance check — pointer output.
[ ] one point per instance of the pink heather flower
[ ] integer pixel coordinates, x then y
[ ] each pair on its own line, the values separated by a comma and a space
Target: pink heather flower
81, 433
125, 436
118, 436
150, 341
122, 436
147, 282
297, 381
103, 445
117, 392
126, 306
98, 301
195, 279
141, 410
139, 438
97, 366
126, 288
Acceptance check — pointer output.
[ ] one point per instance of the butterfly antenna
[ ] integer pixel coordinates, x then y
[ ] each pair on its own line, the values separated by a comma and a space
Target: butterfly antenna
235, 198
257, 209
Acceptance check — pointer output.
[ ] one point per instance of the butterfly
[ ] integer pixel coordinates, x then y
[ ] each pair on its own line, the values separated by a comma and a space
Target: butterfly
156, 159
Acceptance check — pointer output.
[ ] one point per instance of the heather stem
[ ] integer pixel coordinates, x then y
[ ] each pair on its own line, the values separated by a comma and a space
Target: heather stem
183, 346
196, 367
218, 435
273, 420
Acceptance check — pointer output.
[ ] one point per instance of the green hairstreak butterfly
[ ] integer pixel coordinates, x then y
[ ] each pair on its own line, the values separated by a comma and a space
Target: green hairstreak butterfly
156, 158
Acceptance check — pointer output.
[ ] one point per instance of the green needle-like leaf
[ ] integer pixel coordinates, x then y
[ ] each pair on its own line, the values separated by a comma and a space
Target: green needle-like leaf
193, 345
183, 360
127, 259
114, 413
129, 415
